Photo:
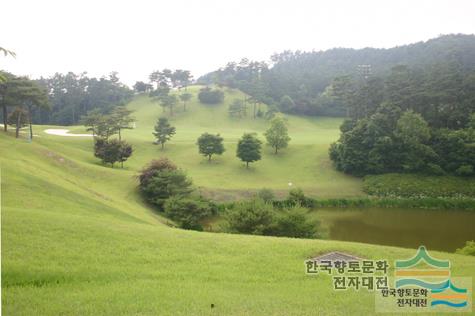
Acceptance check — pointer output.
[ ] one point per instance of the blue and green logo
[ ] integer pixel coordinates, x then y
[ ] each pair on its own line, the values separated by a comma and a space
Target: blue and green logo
433, 275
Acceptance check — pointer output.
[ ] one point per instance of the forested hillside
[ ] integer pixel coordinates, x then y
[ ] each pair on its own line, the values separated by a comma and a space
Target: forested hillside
408, 108
298, 82
69, 96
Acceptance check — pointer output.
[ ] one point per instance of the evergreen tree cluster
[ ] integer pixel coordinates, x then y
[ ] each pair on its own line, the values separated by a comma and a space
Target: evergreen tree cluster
74, 95
299, 82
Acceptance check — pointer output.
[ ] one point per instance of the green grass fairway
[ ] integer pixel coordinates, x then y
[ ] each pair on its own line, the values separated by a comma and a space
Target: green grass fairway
76, 240
304, 163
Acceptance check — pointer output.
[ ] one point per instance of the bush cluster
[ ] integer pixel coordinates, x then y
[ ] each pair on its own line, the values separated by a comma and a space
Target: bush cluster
257, 217
188, 212
169, 189
211, 96
161, 179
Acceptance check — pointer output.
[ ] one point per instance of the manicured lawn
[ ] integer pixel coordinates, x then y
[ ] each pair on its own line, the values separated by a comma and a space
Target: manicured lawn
304, 163
77, 240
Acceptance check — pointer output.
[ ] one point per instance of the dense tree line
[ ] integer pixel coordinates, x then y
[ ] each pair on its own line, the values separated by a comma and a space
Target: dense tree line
298, 82
413, 120
74, 95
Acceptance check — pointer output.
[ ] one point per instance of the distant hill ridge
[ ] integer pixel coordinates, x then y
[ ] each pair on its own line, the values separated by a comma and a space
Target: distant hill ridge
305, 75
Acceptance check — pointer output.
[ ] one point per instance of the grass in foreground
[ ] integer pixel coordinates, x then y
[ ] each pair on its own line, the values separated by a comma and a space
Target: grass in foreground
76, 239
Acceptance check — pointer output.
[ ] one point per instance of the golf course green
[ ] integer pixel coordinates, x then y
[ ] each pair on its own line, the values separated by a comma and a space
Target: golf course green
78, 239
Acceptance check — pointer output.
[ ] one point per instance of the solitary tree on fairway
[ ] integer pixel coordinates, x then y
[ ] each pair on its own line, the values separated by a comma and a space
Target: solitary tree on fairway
249, 148
210, 144
106, 126
18, 118
120, 116
277, 134
163, 131
185, 97
168, 101
92, 120
124, 153
112, 151
35, 96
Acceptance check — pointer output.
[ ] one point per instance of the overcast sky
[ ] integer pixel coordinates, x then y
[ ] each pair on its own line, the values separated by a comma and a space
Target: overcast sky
136, 37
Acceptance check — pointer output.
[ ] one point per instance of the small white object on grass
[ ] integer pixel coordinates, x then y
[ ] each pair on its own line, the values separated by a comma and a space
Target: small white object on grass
290, 184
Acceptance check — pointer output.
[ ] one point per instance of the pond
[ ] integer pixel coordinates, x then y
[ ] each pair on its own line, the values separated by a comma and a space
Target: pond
444, 230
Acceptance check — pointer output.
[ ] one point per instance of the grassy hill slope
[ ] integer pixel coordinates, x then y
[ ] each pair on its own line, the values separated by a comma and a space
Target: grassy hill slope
76, 239
305, 163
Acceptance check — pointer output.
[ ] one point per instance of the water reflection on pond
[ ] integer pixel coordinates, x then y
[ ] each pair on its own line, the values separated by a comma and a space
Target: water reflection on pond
444, 230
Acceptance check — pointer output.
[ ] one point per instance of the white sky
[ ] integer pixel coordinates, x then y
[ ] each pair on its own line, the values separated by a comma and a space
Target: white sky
135, 37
